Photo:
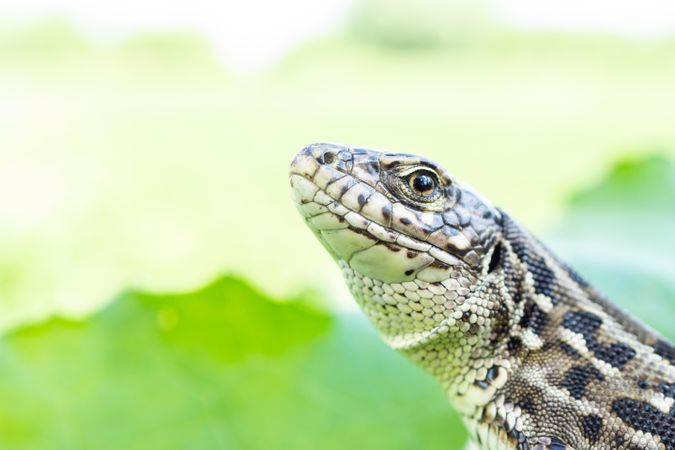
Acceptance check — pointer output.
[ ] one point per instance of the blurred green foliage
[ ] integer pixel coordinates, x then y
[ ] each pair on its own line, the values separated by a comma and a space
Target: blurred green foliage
622, 233
228, 367
224, 367
420, 25
148, 164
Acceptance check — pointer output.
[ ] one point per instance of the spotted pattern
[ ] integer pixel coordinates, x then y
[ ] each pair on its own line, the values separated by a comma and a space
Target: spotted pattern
582, 322
617, 354
578, 378
544, 278
534, 318
587, 324
592, 427
643, 416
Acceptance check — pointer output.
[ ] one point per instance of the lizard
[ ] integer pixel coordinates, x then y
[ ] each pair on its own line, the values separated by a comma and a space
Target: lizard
530, 354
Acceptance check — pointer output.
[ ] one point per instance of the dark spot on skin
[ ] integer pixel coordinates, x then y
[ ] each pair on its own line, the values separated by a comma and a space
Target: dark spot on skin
578, 377
582, 322
544, 278
534, 318
587, 324
405, 221
514, 344
526, 404
569, 350
642, 383
492, 373
591, 425
387, 212
643, 416
392, 247
616, 354
667, 389
362, 199
410, 254
409, 272
665, 350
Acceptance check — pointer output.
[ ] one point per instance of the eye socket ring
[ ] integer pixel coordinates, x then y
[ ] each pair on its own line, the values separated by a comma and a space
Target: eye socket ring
419, 186
422, 185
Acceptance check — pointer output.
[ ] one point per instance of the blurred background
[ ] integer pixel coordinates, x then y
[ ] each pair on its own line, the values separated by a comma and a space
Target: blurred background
144, 152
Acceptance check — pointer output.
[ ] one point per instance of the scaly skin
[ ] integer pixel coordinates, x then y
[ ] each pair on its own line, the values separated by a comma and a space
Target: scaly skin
530, 354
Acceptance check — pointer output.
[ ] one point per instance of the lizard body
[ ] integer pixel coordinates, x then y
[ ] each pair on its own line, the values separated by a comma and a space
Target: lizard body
530, 354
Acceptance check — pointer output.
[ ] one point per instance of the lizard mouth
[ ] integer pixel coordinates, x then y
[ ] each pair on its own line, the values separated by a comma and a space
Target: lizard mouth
364, 244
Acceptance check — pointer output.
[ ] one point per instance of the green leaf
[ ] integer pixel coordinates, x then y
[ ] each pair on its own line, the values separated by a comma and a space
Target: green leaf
227, 367
620, 234
221, 368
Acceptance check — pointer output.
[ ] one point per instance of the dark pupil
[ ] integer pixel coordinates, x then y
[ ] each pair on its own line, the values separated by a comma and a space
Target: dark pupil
423, 183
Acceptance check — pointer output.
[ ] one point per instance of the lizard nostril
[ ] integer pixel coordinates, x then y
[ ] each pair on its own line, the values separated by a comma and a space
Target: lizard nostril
328, 157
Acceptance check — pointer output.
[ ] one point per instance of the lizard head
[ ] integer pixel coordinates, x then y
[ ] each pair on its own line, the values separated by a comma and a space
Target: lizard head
414, 244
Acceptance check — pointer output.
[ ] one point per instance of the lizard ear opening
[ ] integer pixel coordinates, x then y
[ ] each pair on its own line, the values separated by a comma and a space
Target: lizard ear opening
495, 258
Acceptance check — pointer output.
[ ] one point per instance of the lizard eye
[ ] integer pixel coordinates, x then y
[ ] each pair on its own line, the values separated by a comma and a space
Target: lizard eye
423, 183
419, 186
